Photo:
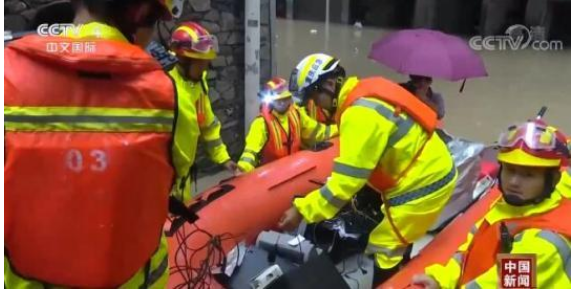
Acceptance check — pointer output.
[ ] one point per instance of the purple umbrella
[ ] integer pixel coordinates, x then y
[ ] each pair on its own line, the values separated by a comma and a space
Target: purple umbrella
428, 53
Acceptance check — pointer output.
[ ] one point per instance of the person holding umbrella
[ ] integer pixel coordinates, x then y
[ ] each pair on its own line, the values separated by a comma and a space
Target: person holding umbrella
425, 54
420, 86
387, 141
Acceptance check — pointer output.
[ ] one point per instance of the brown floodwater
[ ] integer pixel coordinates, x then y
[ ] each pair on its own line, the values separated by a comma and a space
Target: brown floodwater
519, 82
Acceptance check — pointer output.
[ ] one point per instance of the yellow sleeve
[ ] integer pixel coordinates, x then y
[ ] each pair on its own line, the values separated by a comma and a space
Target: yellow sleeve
313, 131
552, 260
211, 134
364, 136
552, 256
449, 274
304, 110
254, 143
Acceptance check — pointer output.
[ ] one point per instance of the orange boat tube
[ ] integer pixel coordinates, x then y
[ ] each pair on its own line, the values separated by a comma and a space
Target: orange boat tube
243, 207
240, 208
444, 245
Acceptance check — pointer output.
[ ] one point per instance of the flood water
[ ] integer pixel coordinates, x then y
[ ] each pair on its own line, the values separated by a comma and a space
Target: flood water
519, 82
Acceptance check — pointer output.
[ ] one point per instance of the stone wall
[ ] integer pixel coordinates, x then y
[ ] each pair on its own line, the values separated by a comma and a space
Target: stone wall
225, 19
26, 15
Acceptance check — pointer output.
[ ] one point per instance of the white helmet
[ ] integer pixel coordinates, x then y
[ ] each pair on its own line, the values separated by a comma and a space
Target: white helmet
311, 70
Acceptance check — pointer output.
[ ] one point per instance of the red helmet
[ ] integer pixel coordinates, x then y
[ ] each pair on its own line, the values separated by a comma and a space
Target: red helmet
534, 144
192, 40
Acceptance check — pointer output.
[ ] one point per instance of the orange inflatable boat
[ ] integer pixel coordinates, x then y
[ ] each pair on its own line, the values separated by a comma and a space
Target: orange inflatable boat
444, 245
238, 209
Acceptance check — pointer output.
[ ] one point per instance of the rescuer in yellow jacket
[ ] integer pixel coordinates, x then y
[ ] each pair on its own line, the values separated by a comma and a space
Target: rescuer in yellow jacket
105, 21
532, 212
195, 47
387, 140
280, 129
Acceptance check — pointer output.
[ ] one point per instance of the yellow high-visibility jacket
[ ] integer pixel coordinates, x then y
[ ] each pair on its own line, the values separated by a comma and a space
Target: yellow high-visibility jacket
369, 136
258, 135
195, 121
552, 250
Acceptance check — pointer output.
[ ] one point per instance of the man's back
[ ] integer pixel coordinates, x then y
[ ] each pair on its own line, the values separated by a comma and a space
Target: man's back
87, 139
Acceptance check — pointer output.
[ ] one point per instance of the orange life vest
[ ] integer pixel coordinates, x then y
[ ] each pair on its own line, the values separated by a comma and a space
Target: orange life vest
280, 143
397, 96
317, 113
485, 246
87, 160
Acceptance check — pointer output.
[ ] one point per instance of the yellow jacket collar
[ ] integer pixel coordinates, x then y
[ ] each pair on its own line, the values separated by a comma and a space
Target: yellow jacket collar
502, 210
348, 85
178, 75
99, 31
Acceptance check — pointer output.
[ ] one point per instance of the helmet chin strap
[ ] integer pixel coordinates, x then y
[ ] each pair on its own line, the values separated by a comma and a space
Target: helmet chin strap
517, 201
335, 95
333, 109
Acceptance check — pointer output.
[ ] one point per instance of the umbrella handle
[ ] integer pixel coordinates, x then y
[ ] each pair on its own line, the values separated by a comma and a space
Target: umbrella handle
463, 86
542, 112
